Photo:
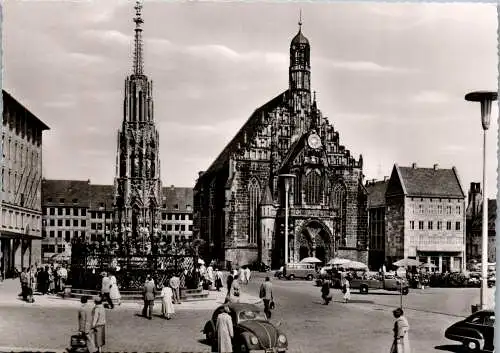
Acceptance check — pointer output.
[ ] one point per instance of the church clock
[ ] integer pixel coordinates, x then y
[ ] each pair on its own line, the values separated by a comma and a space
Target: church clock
314, 141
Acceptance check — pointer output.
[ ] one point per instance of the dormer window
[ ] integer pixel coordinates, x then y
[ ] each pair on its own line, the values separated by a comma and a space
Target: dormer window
61, 200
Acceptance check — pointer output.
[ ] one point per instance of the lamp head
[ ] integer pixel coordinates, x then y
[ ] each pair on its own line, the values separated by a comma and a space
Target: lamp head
485, 98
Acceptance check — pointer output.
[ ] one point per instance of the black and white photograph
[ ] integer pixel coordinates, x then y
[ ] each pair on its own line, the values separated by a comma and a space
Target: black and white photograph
248, 176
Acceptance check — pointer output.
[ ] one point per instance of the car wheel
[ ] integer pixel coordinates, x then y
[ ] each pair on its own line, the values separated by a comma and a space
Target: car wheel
242, 348
291, 277
363, 289
473, 346
310, 277
405, 291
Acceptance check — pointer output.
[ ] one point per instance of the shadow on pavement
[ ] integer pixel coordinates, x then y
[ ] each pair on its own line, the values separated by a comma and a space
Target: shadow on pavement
355, 301
451, 348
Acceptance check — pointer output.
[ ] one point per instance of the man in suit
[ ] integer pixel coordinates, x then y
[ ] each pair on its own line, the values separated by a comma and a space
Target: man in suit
266, 294
149, 294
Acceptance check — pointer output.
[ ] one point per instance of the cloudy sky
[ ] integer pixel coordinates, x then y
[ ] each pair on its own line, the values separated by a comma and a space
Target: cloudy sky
390, 77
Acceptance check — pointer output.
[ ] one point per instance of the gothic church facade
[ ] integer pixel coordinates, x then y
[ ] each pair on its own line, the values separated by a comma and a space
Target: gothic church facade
239, 202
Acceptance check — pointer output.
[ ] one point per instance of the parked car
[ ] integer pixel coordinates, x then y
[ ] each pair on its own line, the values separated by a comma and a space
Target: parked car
492, 281
252, 330
258, 266
475, 332
387, 283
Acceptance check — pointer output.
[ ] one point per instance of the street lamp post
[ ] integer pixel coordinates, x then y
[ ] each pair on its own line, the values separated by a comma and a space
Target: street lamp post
287, 178
485, 98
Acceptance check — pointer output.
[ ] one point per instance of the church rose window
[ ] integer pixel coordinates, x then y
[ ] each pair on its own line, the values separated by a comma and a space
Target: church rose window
253, 208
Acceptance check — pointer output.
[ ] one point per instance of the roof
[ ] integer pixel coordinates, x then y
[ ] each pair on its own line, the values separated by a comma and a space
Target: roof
376, 193
177, 199
300, 39
8, 99
429, 182
71, 192
102, 196
477, 222
249, 128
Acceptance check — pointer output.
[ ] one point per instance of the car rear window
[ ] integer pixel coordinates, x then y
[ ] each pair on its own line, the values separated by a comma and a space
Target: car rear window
252, 315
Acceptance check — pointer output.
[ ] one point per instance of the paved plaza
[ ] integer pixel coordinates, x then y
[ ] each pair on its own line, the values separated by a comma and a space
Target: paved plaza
364, 325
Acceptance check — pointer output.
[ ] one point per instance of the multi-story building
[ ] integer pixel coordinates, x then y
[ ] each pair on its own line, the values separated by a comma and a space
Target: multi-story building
475, 225
376, 222
425, 217
21, 206
77, 208
240, 199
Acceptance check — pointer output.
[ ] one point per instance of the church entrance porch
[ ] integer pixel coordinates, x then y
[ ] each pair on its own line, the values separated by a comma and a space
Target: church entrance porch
313, 239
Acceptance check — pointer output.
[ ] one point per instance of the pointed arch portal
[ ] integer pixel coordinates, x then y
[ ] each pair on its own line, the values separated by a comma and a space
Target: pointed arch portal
314, 239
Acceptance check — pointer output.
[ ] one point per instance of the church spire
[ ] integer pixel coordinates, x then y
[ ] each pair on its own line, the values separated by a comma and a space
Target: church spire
138, 61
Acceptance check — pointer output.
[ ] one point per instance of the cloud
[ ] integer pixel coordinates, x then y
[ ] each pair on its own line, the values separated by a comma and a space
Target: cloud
361, 66
107, 36
453, 148
431, 97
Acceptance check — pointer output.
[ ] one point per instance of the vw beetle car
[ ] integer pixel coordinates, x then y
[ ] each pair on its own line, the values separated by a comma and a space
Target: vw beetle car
475, 332
252, 330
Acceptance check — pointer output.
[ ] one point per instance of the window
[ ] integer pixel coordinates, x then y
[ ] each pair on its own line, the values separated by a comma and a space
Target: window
429, 225
164, 216
83, 223
420, 225
448, 225
45, 211
75, 223
59, 233
61, 200
457, 226
440, 208
338, 201
440, 225
458, 209
177, 217
75, 210
169, 227
52, 234
448, 209
52, 211
183, 227
190, 217
59, 211
169, 216
253, 209
68, 223
92, 226
83, 233
176, 227
412, 224
84, 212
67, 236
76, 233
52, 222
75, 201
421, 209
313, 188
68, 211
163, 227
59, 223
176, 206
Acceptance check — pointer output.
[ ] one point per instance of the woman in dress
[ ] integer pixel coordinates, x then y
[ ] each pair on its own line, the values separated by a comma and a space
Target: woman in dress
99, 324
346, 289
167, 304
401, 343
114, 292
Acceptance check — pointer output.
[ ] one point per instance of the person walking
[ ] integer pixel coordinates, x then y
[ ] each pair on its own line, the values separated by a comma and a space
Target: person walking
218, 279
149, 294
167, 305
105, 289
24, 279
114, 292
266, 294
175, 284
346, 289
85, 322
99, 324
225, 331
247, 274
401, 343
43, 279
325, 292
234, 292
229, 283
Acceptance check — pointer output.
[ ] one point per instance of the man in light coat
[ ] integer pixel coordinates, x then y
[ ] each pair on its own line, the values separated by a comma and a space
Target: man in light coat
175, 284
85, 323
149, 294
225, 331
401, 343
105, 289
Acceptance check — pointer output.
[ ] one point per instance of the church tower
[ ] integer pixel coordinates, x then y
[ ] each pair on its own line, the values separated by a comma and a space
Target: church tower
299, 78
137, 182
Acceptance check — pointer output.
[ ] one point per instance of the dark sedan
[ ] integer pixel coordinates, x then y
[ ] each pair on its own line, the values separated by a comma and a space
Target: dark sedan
252, 330
475, 332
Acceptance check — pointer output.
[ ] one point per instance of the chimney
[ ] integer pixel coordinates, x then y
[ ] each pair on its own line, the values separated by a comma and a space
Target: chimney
373, 181
200, 173
386, 178
414, 165
172, 186
436, 166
